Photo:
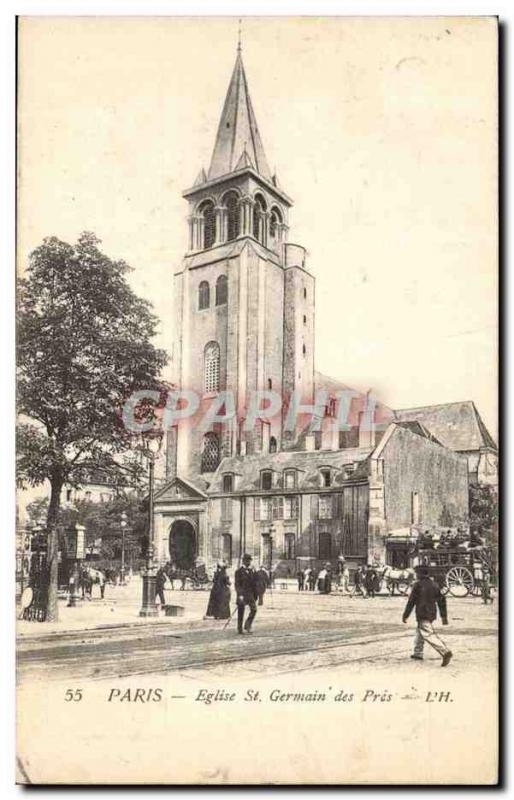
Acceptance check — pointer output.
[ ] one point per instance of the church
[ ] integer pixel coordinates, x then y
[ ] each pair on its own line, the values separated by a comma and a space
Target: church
245, 323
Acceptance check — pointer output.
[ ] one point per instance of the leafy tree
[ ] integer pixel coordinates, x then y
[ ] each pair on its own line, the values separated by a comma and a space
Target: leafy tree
102, 522
483, 511
84, 346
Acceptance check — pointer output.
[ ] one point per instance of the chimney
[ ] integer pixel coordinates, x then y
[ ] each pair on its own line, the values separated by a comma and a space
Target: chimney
310, 442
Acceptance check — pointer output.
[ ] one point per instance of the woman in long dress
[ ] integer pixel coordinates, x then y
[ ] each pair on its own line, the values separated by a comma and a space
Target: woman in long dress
218, 606
223, 595
211, 605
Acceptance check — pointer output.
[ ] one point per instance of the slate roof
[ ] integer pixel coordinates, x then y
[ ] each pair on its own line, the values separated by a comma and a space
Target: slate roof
457, 426
229, 250
238, 140
308, 464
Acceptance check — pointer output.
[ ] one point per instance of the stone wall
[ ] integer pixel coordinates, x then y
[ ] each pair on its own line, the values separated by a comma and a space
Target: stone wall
438, 475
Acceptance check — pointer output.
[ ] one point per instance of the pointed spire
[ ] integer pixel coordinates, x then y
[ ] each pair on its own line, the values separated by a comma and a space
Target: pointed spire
244, 161
237, 130
200, 178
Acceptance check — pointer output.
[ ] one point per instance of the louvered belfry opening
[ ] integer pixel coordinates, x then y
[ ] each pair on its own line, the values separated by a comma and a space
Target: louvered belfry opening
209, 223
211, 367
210, 452
232, 211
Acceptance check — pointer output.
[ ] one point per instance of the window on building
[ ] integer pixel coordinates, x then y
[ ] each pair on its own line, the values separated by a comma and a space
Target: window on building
305, 294
209, 223
210, 452
228, 483
274, 226
232, 205
259, 218
291, 507
317, 440
272, 445
266, 479
325, 545
325, 505
289, 546
348, 470
304, 320
222, 290
326, 478
304, 349
226, 509
277, 508
68, 495
227, 548
262, 508
290, 479
211, 367
88, 495
270, 383
203, 295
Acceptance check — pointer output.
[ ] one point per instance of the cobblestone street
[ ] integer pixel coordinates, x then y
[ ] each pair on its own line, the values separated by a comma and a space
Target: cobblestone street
293, 631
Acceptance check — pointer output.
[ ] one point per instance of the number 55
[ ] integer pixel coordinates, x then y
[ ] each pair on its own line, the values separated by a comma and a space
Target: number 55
73, 694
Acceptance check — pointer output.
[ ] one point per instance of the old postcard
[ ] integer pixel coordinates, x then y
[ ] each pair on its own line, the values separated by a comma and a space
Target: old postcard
257, 530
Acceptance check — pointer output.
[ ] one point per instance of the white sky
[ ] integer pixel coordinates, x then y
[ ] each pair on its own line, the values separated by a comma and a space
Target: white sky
382, 131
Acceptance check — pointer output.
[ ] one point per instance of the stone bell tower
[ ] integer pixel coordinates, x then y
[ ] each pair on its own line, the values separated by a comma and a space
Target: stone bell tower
244, 300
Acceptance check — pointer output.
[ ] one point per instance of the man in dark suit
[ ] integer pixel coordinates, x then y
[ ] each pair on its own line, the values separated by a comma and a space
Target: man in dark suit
262, 582
246, 591
426, 597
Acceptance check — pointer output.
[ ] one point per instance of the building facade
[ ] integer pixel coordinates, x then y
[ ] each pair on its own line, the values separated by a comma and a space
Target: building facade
245, 313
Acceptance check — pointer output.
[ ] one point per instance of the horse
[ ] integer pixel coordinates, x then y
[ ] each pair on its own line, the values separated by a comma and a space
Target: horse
400, 579
90, 576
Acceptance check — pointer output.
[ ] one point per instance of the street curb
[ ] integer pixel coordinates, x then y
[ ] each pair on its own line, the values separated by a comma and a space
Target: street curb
103, 627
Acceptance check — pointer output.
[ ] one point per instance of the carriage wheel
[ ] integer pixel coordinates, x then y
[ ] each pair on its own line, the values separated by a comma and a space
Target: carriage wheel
459, 581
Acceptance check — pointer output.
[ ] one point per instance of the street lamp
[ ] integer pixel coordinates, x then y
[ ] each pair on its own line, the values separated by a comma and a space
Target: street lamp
123, 525
152, 445
271, 532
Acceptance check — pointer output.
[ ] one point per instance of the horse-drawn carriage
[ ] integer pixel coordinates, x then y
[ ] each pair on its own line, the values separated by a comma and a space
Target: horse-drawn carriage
457, 570
194, 578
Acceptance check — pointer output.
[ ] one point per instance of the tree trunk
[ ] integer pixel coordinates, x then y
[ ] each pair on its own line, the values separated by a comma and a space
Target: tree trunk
52, 611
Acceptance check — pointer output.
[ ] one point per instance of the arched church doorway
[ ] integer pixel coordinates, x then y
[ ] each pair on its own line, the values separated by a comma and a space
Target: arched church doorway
182, 544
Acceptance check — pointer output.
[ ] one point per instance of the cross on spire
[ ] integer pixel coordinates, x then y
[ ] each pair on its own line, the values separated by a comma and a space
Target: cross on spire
239, 38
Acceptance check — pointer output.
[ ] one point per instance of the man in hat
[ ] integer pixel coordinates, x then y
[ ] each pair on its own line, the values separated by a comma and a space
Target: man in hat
426, 597
246, 591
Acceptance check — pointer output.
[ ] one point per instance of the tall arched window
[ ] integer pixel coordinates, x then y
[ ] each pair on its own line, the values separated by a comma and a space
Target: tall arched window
203, 295
258, 217
209, 223
221, 290
273, 445
231, 201
211, 367
210, 452
274, 221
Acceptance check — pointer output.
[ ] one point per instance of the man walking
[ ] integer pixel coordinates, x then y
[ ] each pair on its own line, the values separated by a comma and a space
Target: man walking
160, 582
262, 582
246, 591
426, 597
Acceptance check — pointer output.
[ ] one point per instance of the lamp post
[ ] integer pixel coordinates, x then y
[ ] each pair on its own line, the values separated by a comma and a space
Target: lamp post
152, 445
271, 532
75, 546
123, 525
